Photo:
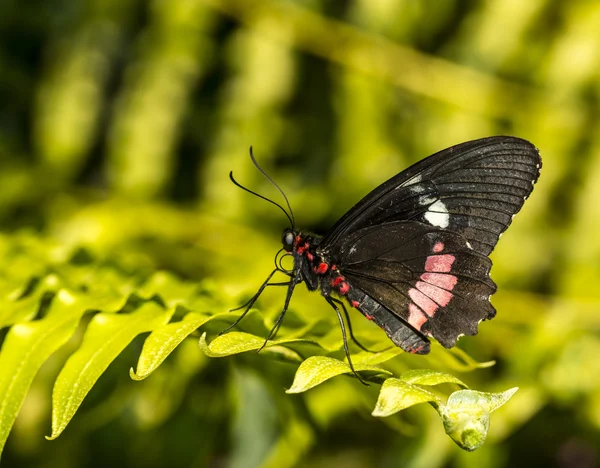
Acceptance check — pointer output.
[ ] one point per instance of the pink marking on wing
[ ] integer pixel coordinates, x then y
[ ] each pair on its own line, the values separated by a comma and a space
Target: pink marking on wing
439, 263
416, 318
440, 280
420, 299
438, 247
439, 295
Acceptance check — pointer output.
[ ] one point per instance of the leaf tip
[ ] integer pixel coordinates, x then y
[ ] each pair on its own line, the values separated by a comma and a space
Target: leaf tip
294, 389
486, 364
466, 416
135, 376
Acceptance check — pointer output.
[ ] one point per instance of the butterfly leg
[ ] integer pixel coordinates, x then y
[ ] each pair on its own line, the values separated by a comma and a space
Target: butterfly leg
345, 340
251, 302
255, 297
292, 284
350, 332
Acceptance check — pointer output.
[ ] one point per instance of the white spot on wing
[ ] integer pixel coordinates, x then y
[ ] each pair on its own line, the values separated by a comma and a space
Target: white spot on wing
416, 189
415, 180
469, 245
437, 215
426, 199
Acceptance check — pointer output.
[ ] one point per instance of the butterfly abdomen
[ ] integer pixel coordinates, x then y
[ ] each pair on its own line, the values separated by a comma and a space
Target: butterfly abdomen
411, 341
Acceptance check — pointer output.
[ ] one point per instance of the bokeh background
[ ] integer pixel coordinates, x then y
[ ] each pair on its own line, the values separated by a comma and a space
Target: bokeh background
119, 123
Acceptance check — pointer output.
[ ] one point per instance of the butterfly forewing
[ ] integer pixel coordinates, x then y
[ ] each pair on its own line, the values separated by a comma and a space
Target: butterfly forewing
474, 188
418, 244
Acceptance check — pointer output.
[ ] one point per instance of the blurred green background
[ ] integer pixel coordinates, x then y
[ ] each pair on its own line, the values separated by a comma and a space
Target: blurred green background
119, 123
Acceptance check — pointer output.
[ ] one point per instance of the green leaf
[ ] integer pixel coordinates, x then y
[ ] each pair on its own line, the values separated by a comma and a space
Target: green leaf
22, 310
107, 335
253, 322
172, 290
457, 359
26, 347
230, 343
396, 395
317, 369
162, 341
236, 342
283, 353
429, 377
376, 358
466, 415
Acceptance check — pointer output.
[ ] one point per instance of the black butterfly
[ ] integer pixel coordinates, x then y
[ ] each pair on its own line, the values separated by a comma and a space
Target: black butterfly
413, 254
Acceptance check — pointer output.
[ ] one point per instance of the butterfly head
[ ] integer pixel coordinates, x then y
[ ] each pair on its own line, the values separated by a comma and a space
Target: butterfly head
287, 239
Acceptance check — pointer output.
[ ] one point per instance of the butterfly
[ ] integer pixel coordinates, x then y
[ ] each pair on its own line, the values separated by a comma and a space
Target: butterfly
413, 255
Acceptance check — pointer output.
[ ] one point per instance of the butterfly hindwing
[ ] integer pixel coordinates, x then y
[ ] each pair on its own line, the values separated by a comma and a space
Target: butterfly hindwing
428, 277
474, 189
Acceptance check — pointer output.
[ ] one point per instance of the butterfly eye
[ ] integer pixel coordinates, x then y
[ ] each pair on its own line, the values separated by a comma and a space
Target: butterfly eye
287, 239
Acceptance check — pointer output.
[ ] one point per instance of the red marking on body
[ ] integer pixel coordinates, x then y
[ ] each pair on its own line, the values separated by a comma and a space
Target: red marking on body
301, 248
322, 268
439, 295
424, 303
416, 318
334, 267
355, 304
337, 280
439, 263
440, 280
368, 317
416, 350
438, 247
344, 288
310, 256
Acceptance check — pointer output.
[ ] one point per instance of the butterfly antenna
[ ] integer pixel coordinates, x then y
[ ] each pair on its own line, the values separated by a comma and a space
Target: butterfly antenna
261, 170
264, 198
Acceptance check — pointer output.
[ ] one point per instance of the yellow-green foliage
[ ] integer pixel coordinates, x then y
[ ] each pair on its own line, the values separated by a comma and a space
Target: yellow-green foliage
123, 244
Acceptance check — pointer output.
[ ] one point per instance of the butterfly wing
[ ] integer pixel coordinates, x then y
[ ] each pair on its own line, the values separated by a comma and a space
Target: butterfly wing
474, 189
428, 277
418, 244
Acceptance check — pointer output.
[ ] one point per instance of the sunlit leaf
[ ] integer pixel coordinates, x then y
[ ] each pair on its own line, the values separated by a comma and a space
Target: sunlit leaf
317, 369
283, 353
466, 415
457, 359
107, 335
230, 343
170, 289
162, 341
376, 357
18, 311
240, 342
396, 395
429, 377
26, 347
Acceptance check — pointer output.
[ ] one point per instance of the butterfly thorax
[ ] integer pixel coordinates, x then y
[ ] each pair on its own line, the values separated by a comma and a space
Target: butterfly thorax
318, 270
